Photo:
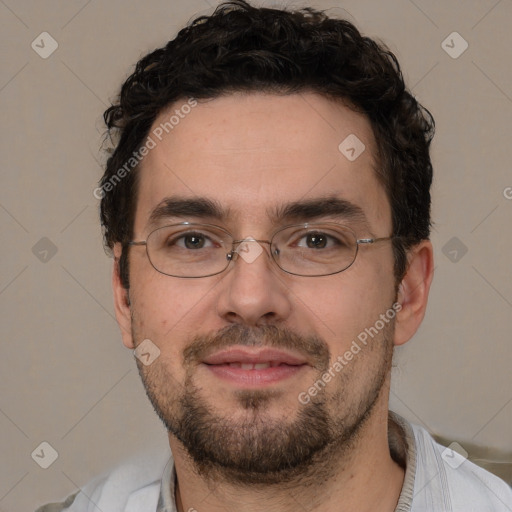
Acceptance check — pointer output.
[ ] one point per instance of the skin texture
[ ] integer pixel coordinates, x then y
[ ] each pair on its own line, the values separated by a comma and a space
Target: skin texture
253, 154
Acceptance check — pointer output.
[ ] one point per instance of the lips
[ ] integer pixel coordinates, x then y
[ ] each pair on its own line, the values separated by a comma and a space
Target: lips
272, 357
254, 368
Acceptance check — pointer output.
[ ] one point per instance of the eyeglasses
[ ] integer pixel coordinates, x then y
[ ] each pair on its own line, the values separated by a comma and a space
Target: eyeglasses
201, 250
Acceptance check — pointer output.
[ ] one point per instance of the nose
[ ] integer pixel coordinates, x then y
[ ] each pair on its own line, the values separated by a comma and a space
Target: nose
251, 291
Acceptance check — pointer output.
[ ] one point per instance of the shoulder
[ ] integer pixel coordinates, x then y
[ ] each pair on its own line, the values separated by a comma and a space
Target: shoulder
448, 479
136, 479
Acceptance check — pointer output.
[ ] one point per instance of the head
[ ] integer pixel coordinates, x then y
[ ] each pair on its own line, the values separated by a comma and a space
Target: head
242, 122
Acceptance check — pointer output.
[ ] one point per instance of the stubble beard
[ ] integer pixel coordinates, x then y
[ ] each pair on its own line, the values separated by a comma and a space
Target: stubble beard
261, 450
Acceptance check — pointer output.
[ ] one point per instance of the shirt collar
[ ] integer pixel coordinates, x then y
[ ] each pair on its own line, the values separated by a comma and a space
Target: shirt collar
167, 498
402, 445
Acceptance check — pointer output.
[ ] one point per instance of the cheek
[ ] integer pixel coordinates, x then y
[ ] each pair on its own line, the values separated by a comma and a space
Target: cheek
344, 305
169, 311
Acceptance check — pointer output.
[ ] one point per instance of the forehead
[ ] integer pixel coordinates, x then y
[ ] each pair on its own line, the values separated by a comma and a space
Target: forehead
252, 154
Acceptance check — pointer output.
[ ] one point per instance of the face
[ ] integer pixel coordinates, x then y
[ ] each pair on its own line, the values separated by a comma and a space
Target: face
241, 351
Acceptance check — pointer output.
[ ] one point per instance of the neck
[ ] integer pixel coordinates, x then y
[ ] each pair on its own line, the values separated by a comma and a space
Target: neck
362, 477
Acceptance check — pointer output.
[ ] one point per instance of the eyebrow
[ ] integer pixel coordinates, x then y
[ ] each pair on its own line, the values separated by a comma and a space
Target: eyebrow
184, 207
297, 211
320, 207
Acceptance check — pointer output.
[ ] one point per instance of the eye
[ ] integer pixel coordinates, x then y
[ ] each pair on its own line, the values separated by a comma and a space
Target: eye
317, 240
192, 241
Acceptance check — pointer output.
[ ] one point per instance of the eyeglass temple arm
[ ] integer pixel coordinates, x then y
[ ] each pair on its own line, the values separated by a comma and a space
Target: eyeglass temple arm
374, 240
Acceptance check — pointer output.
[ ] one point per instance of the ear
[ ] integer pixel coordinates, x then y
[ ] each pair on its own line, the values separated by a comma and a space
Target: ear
121, 301
413, 291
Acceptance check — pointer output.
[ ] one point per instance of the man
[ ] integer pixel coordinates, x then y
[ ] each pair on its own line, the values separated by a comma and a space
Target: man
267, 203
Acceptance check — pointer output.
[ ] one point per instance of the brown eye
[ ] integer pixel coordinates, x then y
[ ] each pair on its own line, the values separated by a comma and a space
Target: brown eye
194, 241
316, 241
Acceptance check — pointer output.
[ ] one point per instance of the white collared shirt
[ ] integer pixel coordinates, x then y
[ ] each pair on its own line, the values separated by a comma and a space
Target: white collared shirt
435, 480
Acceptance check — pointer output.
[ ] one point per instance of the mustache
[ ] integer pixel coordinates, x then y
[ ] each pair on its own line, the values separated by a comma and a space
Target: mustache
313, 347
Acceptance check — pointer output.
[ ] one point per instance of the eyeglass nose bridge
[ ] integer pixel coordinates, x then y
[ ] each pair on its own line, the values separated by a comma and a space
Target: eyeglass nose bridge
247, 252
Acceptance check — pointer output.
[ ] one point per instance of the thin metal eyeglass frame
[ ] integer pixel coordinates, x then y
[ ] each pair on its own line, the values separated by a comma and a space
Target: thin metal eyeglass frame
230, 256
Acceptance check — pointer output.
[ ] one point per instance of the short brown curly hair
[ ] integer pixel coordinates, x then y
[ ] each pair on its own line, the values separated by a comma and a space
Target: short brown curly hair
244, 48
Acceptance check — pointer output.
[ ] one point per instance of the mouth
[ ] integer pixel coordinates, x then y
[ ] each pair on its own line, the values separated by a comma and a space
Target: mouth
246, 368
254, 366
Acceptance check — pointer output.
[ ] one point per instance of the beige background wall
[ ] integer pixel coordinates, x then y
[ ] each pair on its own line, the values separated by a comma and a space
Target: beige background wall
65, 377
